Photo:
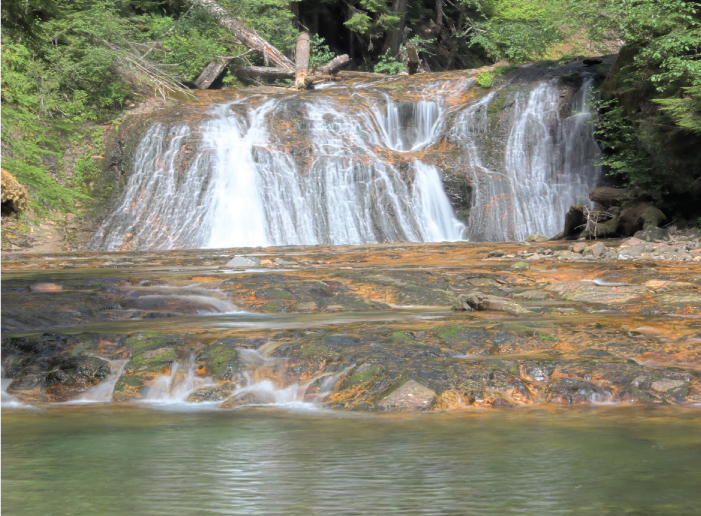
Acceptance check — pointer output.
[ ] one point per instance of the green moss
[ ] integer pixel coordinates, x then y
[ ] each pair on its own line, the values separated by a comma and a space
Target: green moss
274, 306
364, 373
498, 103
145, 340
278, 293
448, 331
406, 338
127, 381
312, 350
152, 360
219, 359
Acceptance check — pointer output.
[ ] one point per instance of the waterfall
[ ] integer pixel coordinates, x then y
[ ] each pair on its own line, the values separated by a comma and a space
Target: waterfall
347, 165
547, 166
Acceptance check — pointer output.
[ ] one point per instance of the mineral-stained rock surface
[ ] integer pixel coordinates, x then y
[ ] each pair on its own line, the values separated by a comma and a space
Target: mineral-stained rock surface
355, 328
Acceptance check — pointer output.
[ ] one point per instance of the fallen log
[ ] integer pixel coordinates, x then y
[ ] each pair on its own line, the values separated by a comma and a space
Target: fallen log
248, 37
302, 79
210, 73
334, 65
267, 72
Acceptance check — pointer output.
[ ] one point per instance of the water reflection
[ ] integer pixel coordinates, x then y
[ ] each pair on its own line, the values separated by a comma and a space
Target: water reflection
115, 461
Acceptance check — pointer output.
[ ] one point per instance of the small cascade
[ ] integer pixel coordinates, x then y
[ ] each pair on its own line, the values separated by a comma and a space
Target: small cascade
8, 400
191, 299
102, 392
265, 384
177, 386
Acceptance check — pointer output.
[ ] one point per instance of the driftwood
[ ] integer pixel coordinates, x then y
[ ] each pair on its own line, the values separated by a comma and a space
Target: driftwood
334, 65
248, 37
302, 79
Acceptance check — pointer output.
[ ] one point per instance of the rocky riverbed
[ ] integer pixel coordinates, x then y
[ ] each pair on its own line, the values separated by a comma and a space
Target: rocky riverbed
383, 327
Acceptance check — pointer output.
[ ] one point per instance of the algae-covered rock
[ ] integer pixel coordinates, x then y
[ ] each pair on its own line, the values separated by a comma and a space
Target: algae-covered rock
536, 237
637, 216
14, 195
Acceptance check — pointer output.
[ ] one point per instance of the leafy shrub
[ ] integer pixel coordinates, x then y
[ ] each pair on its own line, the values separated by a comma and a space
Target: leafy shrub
485, 79
389, 65
319, 54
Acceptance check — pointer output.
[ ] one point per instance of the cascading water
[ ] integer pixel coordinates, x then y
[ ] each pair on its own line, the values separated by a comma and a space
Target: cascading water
177, 386
546, 165
102, 392
359, 164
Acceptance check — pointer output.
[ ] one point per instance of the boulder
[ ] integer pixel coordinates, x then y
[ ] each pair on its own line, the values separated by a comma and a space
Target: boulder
536, 237
243, 261
652, 234
579, 247
497, 253
598, 249
476, 300
521, 266
410, 396
574, 221
637, 216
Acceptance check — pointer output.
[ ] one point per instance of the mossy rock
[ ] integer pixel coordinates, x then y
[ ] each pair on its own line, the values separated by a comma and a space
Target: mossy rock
274, 307
312, 349
146, 340
152, 359
407, 338
276, 293
126, 382
220, 360
364, 373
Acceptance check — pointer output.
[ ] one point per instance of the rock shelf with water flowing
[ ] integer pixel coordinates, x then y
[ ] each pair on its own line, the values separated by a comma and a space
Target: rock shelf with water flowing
428, 158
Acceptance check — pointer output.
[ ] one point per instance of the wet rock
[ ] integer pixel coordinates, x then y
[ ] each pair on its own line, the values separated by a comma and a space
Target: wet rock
532, 295
667, 386
478, 301
536, 237
652, 234
410, 396
598, 249
284, 263
572, 391
579, 247
69, 376
521, 266
243, 261
497, 253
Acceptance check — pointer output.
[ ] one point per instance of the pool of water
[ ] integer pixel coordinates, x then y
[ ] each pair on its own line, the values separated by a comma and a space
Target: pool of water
116, 460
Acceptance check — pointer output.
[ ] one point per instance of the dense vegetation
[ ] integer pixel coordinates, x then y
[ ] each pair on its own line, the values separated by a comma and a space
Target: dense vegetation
70, 66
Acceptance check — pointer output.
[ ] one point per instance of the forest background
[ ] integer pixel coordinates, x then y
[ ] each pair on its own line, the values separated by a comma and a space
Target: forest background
71, 69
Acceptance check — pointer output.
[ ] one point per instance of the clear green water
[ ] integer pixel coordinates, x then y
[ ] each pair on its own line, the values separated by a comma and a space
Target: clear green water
112, 460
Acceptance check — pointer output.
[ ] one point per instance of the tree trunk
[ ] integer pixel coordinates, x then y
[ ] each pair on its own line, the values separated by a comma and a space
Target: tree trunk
334, 65
267, 72
210, 74
414, 62
247, 37
439, 14
302, 79
394, 37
